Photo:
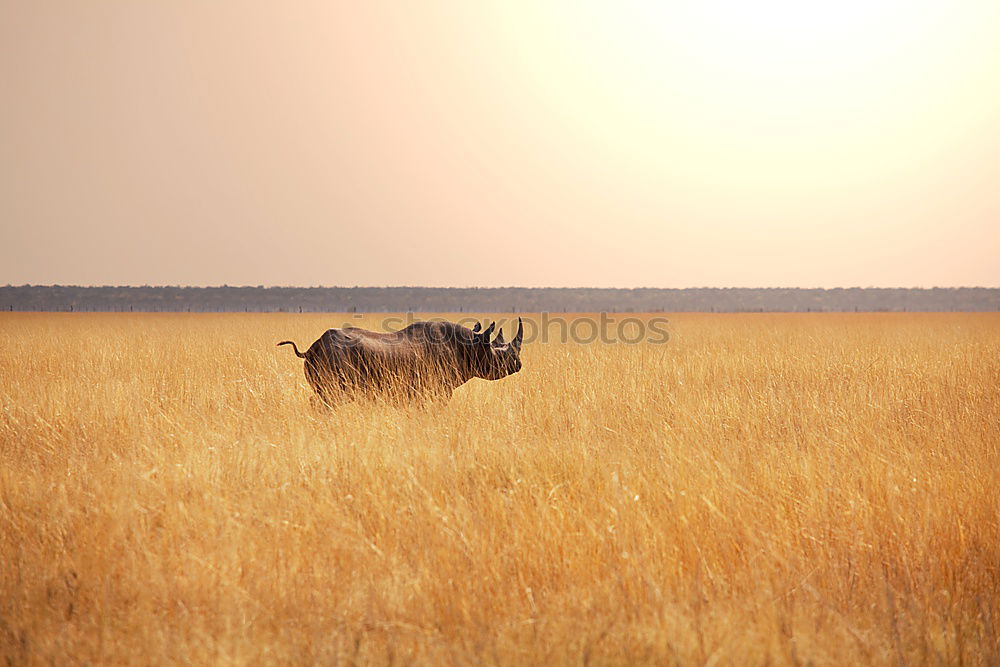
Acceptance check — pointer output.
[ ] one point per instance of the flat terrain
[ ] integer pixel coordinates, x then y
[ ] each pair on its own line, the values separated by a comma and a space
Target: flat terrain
762, 488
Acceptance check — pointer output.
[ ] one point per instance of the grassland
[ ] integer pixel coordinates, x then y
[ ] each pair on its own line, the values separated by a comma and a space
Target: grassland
762, 489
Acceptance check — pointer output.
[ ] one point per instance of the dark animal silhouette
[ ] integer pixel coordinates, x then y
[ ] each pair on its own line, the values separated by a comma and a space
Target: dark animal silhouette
426, 359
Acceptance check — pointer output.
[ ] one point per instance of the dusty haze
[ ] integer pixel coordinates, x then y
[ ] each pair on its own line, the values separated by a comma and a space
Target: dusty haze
500, 143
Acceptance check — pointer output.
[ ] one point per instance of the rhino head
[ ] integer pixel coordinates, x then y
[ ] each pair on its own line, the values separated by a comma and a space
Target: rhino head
496, 359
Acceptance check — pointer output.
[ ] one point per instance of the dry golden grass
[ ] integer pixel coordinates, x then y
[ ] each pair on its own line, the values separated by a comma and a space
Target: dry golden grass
763, 488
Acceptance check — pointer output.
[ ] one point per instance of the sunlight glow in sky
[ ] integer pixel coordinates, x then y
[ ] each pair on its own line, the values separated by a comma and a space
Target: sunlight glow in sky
715, 143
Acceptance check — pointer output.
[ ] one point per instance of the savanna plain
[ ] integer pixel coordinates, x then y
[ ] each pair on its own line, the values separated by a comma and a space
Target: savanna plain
765, 488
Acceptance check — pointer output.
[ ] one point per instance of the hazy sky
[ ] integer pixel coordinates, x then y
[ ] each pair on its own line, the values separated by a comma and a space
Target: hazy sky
710, 143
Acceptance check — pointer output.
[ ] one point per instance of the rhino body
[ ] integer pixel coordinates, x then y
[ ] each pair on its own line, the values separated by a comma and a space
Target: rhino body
426, 359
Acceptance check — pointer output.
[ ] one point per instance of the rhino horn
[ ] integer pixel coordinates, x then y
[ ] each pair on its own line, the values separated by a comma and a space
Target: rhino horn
516, 343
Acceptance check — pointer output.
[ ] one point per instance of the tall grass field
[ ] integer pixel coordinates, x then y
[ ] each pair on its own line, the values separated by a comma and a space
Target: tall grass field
759, 489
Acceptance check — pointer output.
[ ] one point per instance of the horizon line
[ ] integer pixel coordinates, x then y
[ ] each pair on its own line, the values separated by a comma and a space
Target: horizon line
476, 287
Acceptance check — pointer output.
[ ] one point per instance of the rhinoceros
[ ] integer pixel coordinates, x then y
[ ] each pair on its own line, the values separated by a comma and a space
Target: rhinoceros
426, 359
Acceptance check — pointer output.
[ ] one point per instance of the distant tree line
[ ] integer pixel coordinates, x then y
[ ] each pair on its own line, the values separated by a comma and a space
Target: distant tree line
500, 299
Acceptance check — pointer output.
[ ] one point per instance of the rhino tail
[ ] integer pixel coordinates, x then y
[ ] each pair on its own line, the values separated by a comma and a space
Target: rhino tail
294, 347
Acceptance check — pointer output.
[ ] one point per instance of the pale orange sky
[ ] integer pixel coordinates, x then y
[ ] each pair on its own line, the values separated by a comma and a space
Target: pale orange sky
712, 143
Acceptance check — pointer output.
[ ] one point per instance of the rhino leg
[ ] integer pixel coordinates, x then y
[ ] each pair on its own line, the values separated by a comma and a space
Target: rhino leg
318, 404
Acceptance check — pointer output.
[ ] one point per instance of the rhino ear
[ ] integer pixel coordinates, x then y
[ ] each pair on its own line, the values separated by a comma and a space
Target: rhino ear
489, 331
498, 341
477, 328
